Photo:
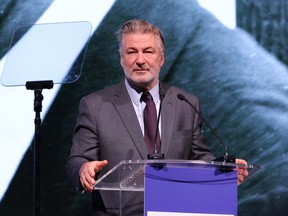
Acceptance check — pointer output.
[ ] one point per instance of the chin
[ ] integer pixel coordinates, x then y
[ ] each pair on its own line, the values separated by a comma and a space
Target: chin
141, 83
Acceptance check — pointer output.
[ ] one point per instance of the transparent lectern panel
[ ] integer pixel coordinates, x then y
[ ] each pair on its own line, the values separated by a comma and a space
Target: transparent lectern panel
126, 176
40, 52
129, 175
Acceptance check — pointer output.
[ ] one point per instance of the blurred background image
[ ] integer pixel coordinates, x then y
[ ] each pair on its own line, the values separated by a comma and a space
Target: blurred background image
231, 54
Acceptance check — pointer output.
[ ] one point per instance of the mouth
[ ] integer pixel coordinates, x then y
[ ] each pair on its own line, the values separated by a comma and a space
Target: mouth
141, 70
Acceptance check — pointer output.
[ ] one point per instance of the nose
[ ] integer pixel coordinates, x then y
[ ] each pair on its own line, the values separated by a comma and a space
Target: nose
140, 59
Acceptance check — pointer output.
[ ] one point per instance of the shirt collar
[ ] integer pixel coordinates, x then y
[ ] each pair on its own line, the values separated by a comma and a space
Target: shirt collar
135, 96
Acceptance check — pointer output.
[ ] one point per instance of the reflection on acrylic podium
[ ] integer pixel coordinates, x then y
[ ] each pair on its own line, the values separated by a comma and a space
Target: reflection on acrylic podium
177, 187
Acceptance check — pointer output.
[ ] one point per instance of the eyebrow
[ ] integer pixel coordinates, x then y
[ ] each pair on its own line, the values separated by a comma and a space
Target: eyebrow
145, 48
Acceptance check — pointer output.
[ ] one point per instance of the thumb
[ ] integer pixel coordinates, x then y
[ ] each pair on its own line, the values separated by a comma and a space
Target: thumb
99, 165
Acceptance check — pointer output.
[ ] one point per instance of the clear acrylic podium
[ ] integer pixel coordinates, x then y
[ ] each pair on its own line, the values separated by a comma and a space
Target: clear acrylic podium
177, 187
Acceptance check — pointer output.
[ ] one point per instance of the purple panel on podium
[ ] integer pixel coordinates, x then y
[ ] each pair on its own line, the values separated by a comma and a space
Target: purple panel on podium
190, 190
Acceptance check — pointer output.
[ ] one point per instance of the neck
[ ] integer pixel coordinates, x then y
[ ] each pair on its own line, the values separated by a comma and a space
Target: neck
140, 88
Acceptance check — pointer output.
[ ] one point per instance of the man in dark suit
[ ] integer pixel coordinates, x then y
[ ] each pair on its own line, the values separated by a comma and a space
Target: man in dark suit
242, 89
110, 125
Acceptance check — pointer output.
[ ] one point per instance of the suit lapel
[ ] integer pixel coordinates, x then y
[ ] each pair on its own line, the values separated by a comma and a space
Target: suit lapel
167, 121
124, 107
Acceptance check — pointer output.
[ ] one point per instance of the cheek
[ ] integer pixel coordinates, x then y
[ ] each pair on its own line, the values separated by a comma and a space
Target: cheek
158, 65
127, 63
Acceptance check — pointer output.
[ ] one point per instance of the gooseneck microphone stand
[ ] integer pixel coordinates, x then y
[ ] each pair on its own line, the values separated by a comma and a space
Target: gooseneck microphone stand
37, 86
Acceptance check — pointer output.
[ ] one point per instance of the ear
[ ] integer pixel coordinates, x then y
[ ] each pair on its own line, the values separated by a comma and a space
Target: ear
121, 60
162, 60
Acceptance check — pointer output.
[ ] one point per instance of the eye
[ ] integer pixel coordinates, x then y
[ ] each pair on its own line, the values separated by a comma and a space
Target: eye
149, 51
131, 52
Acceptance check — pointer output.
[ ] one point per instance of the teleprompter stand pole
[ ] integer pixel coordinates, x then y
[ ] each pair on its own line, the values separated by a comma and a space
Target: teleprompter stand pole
37, 86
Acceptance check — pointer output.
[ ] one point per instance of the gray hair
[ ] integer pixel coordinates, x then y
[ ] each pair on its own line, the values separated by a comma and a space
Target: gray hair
139, 26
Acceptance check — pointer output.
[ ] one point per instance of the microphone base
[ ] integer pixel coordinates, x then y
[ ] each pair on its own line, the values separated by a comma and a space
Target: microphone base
155, 156
226, 159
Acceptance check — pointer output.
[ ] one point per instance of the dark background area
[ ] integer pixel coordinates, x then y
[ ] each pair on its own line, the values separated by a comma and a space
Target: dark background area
239, 76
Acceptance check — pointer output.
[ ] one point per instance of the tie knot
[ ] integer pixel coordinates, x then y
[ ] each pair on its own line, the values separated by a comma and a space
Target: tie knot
146, 97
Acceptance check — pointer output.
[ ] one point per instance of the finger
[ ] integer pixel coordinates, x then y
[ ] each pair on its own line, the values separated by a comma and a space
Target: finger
85, 183
88, 183
99, 165
245, 172
87, 176
242, 170
240, 179
240, 161
88, 172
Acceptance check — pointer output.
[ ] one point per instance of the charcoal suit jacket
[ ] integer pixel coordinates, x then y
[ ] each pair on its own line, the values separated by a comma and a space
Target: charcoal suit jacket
242, 89
108, 129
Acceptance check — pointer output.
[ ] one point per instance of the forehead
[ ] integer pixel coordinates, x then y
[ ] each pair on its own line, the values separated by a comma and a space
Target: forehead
140, 40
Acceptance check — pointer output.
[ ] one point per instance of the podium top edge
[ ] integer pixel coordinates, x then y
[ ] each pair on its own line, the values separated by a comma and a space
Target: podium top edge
188, 162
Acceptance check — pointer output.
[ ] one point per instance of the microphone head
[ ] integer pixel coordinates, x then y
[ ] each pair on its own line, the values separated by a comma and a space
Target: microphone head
181, 96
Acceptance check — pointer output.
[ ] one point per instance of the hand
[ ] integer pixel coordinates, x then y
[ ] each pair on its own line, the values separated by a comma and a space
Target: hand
242, 172
88, 171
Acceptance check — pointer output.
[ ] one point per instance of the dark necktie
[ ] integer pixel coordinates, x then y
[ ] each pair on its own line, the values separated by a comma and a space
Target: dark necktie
150, 123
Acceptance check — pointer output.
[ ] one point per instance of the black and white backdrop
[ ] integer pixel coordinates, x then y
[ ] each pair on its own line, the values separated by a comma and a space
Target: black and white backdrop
234, 60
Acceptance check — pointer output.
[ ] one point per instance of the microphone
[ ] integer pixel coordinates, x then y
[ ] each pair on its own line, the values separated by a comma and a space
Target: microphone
226, 157
157, 155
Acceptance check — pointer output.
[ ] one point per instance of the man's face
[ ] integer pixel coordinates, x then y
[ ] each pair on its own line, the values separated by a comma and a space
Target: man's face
141, 59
